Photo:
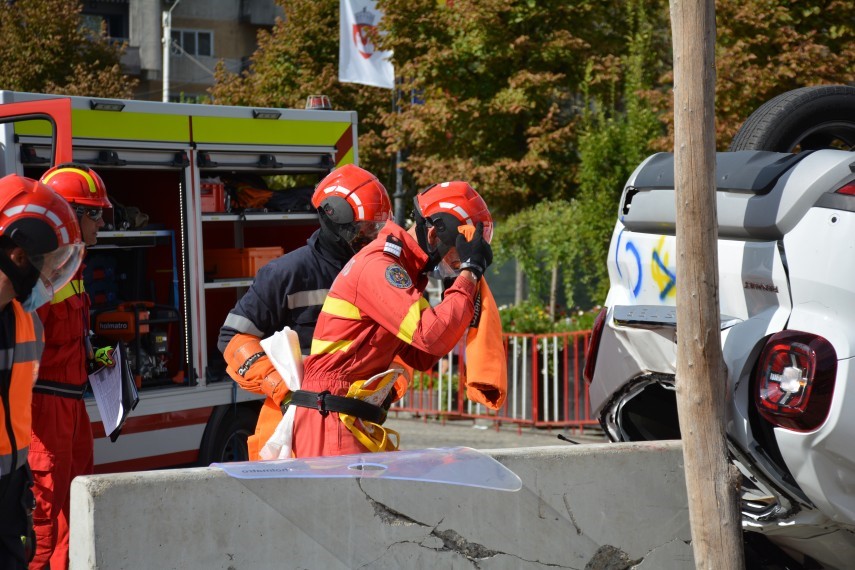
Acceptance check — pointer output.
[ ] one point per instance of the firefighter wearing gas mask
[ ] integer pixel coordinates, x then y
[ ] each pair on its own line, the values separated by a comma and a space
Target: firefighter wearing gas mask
40, 251
352, 206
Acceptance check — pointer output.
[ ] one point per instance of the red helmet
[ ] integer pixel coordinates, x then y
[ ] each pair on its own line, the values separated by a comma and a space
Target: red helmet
78, 184
352, 194
42, 223
448, 204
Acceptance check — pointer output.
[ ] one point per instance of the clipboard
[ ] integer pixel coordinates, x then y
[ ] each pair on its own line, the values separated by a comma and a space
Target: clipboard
115, 392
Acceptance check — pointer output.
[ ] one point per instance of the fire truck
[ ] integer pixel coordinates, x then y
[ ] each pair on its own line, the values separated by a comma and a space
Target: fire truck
203, 196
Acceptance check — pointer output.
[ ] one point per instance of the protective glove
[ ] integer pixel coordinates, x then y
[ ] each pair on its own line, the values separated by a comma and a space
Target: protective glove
476, 255
104, 356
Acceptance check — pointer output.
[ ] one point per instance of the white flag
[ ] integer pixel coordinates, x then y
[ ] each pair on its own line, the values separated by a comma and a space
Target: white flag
358, 62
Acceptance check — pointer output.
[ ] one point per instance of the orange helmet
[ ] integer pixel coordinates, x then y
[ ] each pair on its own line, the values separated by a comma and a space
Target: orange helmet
78, 184
352, 194
352, 204
38, 220
446, 205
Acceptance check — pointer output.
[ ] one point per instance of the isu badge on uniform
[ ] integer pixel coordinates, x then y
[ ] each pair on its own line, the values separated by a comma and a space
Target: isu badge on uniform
397, 276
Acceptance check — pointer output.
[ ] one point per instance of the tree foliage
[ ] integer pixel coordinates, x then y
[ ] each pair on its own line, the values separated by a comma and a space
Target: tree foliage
498, 83
298, 58
767, 47
545, 107
45, 50
615, 132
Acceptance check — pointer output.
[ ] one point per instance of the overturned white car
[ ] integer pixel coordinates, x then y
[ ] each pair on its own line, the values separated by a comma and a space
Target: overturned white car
786, 254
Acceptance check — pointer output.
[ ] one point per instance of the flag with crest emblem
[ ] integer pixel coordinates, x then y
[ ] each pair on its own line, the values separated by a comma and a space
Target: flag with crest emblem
359, 61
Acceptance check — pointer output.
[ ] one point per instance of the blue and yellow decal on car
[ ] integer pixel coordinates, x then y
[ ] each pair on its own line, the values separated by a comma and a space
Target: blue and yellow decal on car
398, 277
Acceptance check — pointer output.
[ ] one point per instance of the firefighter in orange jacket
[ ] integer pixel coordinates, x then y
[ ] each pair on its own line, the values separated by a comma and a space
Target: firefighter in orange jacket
40, 249
376, 311
289, 291
62, 443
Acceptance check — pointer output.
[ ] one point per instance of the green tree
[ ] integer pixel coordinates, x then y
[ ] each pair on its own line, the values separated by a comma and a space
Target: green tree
499, 84
767, 47
615, 132
299, 57
45, 50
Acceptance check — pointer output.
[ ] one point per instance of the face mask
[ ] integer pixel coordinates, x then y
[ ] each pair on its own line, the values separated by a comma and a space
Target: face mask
444, 271
39, 295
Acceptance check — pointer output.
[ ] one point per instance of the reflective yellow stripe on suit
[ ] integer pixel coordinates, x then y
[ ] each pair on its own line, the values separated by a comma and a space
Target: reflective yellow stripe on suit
329, 346
73, 287
343, 310
411, 321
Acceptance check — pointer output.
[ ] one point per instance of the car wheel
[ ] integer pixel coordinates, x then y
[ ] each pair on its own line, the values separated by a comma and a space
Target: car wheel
809, 118
227, 442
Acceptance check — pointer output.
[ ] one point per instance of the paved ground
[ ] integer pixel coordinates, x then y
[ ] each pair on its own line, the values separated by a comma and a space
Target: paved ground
421, 432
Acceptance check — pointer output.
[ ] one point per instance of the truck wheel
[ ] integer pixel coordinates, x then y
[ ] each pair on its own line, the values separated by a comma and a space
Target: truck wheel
809, 118
227, 441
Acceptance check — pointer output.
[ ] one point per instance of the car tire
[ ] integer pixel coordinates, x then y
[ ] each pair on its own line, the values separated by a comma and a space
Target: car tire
822, 116
227, 438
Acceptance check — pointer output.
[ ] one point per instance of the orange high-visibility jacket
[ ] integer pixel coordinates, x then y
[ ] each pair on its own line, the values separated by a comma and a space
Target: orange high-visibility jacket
23, 360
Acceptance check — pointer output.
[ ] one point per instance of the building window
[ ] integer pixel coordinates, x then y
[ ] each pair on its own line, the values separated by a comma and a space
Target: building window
193, 42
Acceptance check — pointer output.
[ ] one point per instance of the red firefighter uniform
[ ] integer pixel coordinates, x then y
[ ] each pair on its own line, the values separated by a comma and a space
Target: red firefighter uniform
374, 312
62, 445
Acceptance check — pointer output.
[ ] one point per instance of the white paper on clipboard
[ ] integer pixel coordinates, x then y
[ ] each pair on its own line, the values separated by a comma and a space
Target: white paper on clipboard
107, 387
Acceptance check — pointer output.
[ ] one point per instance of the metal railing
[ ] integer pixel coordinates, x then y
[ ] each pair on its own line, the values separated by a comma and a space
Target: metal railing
545, 384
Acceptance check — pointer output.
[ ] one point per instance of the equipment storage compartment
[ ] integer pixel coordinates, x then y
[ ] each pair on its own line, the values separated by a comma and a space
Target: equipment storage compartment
134, 274
146, 276
236, 244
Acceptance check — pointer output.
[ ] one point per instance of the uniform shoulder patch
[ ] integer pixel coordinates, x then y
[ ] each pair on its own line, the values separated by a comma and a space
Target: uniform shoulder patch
398, 277
393, 246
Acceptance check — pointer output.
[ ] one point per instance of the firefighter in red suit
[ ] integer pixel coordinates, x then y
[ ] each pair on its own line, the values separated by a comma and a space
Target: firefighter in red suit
40, 250
289, 291
62, 444
376, 311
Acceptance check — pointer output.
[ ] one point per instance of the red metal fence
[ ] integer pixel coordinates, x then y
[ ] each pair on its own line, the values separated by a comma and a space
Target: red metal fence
545, 384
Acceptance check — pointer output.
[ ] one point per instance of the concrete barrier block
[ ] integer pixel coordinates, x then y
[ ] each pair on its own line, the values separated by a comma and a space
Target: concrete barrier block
586, 506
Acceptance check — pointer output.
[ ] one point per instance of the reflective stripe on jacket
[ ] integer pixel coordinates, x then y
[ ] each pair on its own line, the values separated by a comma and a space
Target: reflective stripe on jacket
23, 359
66, 324
375, 310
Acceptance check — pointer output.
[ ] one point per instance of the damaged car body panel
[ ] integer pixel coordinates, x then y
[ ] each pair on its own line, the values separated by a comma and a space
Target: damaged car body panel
786, 269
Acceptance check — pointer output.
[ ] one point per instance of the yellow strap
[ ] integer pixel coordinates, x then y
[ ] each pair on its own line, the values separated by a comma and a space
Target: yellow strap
373, 436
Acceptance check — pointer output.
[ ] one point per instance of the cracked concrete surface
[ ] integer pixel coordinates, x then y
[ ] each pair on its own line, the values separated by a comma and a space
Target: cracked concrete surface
581, 507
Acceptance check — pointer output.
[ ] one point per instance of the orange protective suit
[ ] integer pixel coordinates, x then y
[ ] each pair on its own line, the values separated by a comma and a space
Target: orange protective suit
374, 312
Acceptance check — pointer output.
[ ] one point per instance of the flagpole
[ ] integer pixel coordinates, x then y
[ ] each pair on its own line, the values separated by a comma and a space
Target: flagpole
400, 212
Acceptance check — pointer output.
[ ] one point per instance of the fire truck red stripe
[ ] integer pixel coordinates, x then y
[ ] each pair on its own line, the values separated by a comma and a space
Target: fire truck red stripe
146, 463
152, 422
344, 144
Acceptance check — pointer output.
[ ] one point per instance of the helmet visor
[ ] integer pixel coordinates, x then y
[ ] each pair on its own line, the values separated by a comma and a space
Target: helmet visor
57, 267
365, 232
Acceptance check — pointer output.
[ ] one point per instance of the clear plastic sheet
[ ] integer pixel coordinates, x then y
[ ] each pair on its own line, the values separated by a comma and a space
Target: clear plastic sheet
452, 466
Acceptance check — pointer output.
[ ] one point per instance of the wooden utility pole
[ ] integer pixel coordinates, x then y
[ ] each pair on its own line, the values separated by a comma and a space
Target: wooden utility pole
711, 480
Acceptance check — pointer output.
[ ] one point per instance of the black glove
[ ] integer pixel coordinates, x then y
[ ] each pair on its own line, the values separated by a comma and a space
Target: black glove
476, 255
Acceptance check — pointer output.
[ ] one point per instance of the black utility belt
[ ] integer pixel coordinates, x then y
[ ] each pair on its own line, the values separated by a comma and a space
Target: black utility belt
325, 403
60, 389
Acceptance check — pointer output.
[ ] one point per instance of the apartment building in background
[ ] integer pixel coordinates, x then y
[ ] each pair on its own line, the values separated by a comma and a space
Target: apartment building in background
202, 33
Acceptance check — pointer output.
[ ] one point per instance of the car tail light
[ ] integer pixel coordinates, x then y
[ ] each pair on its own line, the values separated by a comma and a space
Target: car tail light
848, 189
795, 380
594, 345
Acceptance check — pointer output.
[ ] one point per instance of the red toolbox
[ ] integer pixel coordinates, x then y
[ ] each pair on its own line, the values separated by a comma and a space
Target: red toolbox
232, 263
213, 196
